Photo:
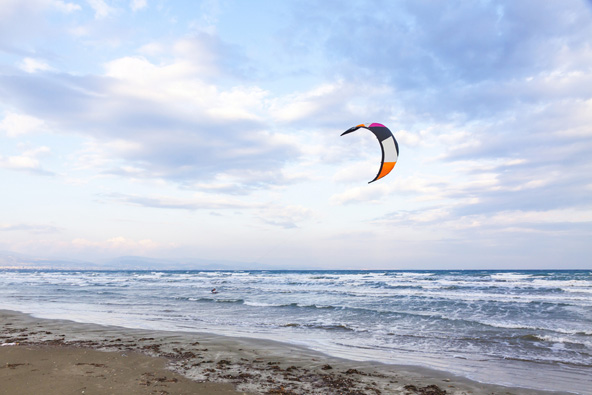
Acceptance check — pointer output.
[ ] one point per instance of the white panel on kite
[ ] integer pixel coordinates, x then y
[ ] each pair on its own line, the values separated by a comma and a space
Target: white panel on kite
390, 152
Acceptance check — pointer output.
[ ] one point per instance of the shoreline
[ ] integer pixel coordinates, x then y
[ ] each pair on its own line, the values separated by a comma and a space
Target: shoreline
216, 364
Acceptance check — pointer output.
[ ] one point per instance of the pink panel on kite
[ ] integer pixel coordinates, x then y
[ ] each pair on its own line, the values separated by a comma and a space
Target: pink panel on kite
376, 124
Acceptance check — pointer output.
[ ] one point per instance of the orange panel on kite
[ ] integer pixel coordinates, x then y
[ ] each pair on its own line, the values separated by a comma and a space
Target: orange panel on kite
386, 168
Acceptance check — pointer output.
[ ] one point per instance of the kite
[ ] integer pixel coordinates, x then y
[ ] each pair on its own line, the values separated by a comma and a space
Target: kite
388, 145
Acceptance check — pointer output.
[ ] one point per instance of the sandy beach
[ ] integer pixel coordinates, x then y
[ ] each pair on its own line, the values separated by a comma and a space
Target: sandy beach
72, 370
65, 357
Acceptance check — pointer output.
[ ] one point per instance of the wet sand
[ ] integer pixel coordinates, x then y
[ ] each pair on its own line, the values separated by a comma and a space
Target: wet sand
64, 357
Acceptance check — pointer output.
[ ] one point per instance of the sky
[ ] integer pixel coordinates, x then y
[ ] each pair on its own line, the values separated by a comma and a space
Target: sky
211, 130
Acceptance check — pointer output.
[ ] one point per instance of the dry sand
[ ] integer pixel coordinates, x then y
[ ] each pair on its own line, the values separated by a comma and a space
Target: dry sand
68, 370
63, 357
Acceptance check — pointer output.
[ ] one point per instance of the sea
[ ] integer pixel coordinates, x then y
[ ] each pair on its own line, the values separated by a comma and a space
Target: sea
529, 329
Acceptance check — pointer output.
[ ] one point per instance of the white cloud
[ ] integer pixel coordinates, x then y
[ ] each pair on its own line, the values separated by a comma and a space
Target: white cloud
31, 65
358, 172
79, 31
65, 7
27, 161
286, 216
299, 106
516, 217
178, 121
31, 228
181, 82
101, 8
407, 138
152, 49
136, 5
12, 8
421, 187
517, 220
447, 219
19, 124
19, 162
362, 194
198, 201
161, 117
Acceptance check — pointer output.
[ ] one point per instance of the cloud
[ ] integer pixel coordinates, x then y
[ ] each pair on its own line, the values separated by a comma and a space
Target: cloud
277, 215
137, 5
553, 221
101, 8
209, 11
535, 159
286, 217
197, 202
22, 20
15, 124
332, 103
457, 62
245, 181
64, 6
312, 104
497, 110
358, 195
31, 228
484, 40
27, 161
165, 120
31, 65
10, 8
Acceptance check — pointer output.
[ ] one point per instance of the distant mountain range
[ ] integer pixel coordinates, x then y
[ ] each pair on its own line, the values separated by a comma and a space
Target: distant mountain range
12, 260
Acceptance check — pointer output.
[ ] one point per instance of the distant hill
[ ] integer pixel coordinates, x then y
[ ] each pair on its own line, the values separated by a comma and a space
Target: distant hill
12, 260
142, 263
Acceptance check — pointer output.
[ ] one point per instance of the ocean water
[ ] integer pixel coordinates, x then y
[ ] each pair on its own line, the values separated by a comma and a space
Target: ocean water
521, 328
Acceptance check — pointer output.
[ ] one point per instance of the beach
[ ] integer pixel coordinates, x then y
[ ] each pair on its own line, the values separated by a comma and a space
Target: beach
73, 370
65, 357
318, 331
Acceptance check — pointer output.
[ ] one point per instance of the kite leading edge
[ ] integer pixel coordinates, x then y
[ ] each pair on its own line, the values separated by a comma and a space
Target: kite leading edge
388, 145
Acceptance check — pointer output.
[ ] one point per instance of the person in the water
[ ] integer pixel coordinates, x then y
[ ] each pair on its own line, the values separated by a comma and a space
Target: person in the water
214, 291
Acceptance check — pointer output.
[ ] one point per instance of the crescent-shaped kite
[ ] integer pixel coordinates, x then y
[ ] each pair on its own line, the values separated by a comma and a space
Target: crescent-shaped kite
388, 145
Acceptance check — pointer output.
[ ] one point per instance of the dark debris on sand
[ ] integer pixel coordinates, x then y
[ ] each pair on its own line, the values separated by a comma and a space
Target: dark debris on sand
252, 375
428, 390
